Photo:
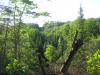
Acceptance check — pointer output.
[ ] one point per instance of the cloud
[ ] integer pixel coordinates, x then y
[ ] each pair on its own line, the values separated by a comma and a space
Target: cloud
68, 9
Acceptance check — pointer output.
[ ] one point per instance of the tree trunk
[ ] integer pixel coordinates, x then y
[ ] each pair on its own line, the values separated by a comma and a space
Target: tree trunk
77, 43
41, 65
17, 40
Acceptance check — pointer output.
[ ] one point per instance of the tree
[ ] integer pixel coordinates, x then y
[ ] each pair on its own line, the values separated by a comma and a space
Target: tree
77, 43
37, 41
16, 10
4, 39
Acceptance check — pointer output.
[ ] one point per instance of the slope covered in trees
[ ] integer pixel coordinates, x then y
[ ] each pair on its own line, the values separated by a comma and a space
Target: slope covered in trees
57, 48
45, 49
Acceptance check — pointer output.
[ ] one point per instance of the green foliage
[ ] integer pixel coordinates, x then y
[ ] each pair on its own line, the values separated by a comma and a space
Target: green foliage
46, 14
54, 40
15, 68
27, 2
51, 53
93, 63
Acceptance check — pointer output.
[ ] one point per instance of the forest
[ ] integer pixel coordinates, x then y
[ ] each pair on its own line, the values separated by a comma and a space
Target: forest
56, 48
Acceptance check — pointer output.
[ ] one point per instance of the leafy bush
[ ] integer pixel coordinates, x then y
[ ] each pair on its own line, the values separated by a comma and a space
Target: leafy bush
51, 53
93, 63
15, 68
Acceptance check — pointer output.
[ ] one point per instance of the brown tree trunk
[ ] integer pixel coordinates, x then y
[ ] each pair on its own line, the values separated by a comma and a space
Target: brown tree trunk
77, 43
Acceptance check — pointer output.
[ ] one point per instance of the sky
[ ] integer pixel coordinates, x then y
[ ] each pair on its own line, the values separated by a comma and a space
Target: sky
65, 10
68, 10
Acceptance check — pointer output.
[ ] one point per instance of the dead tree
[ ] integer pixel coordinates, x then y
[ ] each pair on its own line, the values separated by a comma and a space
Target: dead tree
77, 43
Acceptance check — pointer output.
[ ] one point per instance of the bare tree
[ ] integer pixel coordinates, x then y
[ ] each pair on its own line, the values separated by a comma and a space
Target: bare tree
77, 43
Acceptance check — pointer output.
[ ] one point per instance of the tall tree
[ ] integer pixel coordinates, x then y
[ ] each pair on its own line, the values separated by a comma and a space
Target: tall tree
6, 18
